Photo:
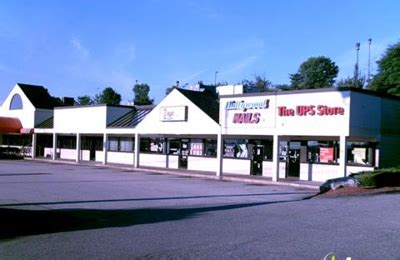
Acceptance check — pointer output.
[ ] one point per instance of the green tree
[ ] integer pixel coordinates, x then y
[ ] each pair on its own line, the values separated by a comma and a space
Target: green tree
351, 82
387, 79
259, 84
85, 100
108, 96
316, 72
282, 87
141, 92
169, 90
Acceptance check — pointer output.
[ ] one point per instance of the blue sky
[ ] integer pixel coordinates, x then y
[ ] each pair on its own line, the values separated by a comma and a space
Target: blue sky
76, 48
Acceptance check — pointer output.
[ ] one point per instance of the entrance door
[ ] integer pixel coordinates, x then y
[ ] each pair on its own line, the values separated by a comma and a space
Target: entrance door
183, 154
257, 160
92, 150
293, 160
43, 141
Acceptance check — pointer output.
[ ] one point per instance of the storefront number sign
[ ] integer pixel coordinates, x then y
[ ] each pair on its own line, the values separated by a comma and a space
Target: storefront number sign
311, 110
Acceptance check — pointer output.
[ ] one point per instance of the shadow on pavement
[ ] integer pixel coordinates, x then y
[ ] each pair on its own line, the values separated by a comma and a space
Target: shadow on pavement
152, 199
18, 222
24, 174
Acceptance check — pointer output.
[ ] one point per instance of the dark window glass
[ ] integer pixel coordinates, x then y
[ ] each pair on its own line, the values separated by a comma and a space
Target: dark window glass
66, 142
210, 148
152, 145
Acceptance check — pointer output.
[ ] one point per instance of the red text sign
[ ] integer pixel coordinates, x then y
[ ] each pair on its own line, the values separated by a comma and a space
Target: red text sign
311, 110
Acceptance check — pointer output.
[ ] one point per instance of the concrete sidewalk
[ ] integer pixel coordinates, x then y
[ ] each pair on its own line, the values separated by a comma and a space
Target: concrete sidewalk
198, 174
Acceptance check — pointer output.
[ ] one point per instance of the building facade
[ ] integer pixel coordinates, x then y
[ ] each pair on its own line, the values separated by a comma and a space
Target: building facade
311, 135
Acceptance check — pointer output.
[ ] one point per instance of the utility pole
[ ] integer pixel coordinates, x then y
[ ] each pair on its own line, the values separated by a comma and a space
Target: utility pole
369, 61
215, 78
356, 66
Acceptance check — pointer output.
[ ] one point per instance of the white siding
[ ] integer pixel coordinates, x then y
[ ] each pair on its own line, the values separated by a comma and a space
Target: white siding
202, 164
197, 122
121, 157
26, 115
236, 166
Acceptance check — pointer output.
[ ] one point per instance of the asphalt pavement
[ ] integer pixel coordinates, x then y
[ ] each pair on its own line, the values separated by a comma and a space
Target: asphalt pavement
50, 211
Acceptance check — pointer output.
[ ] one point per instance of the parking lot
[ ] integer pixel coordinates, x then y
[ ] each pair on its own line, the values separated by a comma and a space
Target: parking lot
52, 211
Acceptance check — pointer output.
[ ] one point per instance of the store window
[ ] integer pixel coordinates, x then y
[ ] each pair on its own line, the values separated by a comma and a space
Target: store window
174, 146
66, 142
236, 148
121, 144
17, 140
113, 144
210, 148
196, 147
16, 102
126, 144
323, 152
283, 151
92, 143
203, 147
152, 145
265, 145
361, 153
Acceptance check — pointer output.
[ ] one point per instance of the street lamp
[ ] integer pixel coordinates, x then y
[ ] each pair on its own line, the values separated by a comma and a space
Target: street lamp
215, 78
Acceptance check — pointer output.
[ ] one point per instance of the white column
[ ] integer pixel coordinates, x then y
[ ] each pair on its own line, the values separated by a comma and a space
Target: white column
343, 155
137, 150
220, 147
377, 157
166, 151
105, 145
78, 147
275, 158
54, 146
34, 143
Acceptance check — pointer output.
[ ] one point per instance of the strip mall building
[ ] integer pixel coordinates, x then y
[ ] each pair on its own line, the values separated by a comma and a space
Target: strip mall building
312, 135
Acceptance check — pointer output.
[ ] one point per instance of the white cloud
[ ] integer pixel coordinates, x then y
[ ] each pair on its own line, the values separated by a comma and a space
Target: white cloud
80, 49
239, 66
189, 78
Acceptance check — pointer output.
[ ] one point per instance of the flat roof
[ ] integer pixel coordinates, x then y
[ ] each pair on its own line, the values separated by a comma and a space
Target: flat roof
316, 90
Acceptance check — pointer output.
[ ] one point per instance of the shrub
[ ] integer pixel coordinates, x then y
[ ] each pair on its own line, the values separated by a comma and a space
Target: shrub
388, 177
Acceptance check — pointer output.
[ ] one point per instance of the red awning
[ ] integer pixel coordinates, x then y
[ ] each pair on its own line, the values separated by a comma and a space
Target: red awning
10, 125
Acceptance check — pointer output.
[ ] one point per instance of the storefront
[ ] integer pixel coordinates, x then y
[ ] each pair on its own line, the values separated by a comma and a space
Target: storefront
181, 132
312, 135
316, 134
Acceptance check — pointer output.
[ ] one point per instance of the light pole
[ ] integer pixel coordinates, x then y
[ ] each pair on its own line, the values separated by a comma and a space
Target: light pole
369, 61
215, 78
356, 67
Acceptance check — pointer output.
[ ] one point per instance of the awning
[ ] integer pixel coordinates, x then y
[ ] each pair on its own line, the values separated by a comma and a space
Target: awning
10, 125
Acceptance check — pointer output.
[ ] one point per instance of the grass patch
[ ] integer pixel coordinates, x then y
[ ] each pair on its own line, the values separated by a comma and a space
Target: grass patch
388, 177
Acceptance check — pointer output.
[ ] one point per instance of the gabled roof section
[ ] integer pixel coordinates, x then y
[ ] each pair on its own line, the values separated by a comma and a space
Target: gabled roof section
48, 123
132, 118
203, 100
39, 96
